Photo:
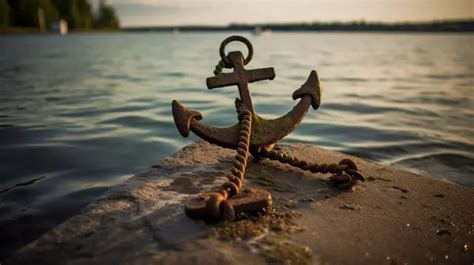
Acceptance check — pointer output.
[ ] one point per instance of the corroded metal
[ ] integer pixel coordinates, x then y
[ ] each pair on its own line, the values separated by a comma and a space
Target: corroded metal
248, 200
339, 179
264, 132
252, 134
227, 202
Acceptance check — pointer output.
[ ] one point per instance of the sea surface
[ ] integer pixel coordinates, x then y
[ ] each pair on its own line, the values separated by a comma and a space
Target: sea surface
82, 113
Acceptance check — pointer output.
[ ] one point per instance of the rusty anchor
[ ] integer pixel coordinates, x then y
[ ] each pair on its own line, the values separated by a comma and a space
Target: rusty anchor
252, 134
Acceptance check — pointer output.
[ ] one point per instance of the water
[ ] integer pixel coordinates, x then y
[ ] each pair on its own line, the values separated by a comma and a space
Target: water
81, 113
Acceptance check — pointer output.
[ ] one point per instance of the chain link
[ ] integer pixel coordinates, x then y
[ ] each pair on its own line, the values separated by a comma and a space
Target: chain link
217, 205
341, 181
219, 67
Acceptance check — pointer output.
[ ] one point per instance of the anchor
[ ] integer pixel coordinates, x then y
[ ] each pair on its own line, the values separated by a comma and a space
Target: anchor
252, 134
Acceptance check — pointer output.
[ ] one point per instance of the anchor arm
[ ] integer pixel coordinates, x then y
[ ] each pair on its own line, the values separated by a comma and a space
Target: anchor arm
274, 130
225, 137
183, 117
264, 132
268, 132
311, 88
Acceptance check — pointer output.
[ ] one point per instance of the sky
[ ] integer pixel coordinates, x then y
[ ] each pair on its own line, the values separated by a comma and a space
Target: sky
224, 12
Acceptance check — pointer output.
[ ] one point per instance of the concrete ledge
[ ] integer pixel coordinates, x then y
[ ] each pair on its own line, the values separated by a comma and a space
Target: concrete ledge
395, 217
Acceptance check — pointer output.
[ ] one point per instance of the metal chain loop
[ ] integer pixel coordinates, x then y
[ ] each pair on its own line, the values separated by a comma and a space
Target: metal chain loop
345, 165
217, 206
219, 67
225, 59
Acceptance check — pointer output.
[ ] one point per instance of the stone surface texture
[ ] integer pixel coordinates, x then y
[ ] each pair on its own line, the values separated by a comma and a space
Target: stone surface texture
395, 217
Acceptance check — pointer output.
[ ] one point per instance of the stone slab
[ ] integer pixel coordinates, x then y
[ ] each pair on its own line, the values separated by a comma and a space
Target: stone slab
395, 217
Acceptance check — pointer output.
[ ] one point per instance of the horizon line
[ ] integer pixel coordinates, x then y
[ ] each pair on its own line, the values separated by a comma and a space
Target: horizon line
360, 21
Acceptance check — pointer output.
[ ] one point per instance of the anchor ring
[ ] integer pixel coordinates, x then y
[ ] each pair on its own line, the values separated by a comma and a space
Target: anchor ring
230, 39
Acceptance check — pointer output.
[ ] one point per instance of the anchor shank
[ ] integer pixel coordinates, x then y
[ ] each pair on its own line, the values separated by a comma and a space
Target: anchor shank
245, 96
237, 60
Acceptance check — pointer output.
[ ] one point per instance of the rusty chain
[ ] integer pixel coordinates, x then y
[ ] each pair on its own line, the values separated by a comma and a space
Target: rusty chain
340, 180
217, 206
219, 67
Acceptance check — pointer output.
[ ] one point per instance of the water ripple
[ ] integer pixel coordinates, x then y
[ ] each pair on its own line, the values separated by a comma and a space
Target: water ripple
92, 122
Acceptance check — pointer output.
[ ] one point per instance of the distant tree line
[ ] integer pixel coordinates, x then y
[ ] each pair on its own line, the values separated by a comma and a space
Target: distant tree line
362, 26
78, 14
433, 26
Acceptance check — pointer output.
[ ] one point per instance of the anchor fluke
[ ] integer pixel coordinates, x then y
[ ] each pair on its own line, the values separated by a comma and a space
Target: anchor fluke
311, 88
183, 116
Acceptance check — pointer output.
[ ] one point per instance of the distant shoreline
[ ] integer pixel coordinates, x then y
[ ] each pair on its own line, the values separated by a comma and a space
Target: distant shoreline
445, 26
433, 26
32, 30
